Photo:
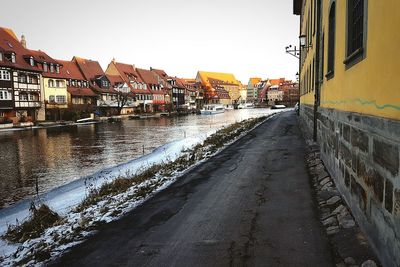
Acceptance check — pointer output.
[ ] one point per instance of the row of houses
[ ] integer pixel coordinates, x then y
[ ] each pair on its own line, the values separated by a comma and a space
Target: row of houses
273, 91
36, 87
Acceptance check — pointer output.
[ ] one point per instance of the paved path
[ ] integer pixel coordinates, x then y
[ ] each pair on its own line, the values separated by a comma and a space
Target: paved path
251, 205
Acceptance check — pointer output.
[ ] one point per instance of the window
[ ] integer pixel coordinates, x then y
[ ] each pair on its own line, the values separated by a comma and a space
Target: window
74, 83
51, 83
355, 29
34, 79
331, 41
104, 83
1, 56
32, 61
4, 95
57, 83
51, 67
22, 78
23, 97
58, 68
13, 59
5, 75
45, 68
51, 99
144, 86
60, 99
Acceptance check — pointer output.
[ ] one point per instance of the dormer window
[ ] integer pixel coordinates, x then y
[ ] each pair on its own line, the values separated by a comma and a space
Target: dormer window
58, 68
144, 86
74, 83
32, 61
80, 84
45, 68
1, 56
51, 67
13, 59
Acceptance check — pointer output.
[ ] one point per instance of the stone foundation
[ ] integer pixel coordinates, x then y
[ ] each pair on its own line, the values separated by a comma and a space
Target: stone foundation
362, 155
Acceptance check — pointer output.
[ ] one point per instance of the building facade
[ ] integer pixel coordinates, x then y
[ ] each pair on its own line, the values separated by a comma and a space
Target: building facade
252, 92
350, 103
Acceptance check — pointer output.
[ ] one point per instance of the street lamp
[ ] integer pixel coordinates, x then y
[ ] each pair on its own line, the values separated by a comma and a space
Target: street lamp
303, 41
293, 51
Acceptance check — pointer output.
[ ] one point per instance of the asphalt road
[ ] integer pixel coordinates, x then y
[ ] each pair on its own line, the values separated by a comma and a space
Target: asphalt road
250, 205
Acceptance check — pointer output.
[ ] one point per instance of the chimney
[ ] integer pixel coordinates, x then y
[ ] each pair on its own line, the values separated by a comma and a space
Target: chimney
23, 41
113, 60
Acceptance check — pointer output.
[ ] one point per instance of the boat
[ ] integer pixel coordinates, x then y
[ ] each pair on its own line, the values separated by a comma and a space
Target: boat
134, 117
246, 105
86, 121
212, 109
278, 107
114, 119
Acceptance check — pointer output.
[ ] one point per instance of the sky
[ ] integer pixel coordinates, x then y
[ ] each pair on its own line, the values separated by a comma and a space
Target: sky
244, 37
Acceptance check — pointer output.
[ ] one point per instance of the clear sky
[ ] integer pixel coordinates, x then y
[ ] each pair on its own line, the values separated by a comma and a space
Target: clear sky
245, 37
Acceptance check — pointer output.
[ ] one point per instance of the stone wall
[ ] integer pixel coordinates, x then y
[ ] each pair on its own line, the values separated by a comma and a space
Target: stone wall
362, 155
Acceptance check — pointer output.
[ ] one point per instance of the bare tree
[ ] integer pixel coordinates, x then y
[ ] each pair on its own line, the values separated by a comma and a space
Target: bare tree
122, 99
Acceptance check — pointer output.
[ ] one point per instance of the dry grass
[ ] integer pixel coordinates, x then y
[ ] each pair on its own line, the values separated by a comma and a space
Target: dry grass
41, 218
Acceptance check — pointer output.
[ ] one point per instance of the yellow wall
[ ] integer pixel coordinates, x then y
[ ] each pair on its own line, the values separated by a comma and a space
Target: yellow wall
48, 91
233, 91
307, 86
370, 86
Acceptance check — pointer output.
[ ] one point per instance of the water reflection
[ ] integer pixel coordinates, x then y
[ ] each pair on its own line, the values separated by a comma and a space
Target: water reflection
56, 156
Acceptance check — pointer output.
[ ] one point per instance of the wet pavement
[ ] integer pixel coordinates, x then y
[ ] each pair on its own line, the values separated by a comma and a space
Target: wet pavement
250, 205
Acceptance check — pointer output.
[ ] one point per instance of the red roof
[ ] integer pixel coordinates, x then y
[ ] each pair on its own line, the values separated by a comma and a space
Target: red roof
42, 57
128, 73
114, 79
70, 70
90, 69
147, 76
150, 79
9, 43
160, 73
81, 91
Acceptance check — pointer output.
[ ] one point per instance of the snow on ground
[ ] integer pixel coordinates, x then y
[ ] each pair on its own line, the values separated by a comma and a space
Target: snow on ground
63, 199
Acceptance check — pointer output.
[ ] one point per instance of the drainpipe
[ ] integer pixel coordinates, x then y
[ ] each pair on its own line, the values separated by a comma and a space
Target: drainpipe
317, 82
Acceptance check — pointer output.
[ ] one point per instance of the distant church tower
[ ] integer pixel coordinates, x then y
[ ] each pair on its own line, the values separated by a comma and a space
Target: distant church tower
23, 41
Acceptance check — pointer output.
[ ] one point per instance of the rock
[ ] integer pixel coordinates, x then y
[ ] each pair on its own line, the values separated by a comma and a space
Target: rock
325, 181
322, 175
339, 209
332, 230
333, 200
369, 263
330, 221
350, 261
326, 186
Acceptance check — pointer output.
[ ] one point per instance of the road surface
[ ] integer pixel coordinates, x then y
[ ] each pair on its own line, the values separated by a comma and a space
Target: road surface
250, 205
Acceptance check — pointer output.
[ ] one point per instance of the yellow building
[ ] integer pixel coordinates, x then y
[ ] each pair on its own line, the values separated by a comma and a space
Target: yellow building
350, 101
226, 80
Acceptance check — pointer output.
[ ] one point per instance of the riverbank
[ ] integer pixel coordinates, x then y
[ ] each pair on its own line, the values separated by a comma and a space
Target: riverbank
78, 224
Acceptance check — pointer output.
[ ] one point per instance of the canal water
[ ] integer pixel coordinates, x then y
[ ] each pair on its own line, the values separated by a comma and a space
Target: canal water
53, 157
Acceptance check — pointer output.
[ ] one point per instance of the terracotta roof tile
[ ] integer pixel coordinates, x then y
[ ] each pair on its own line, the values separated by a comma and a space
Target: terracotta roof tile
9, 43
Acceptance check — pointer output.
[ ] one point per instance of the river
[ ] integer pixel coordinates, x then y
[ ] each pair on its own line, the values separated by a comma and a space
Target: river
59, 155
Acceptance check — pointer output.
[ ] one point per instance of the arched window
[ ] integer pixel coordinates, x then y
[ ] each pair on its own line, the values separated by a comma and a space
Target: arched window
51, 83
331, 40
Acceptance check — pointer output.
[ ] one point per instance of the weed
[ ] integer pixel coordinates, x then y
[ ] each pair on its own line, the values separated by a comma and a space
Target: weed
40, 219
